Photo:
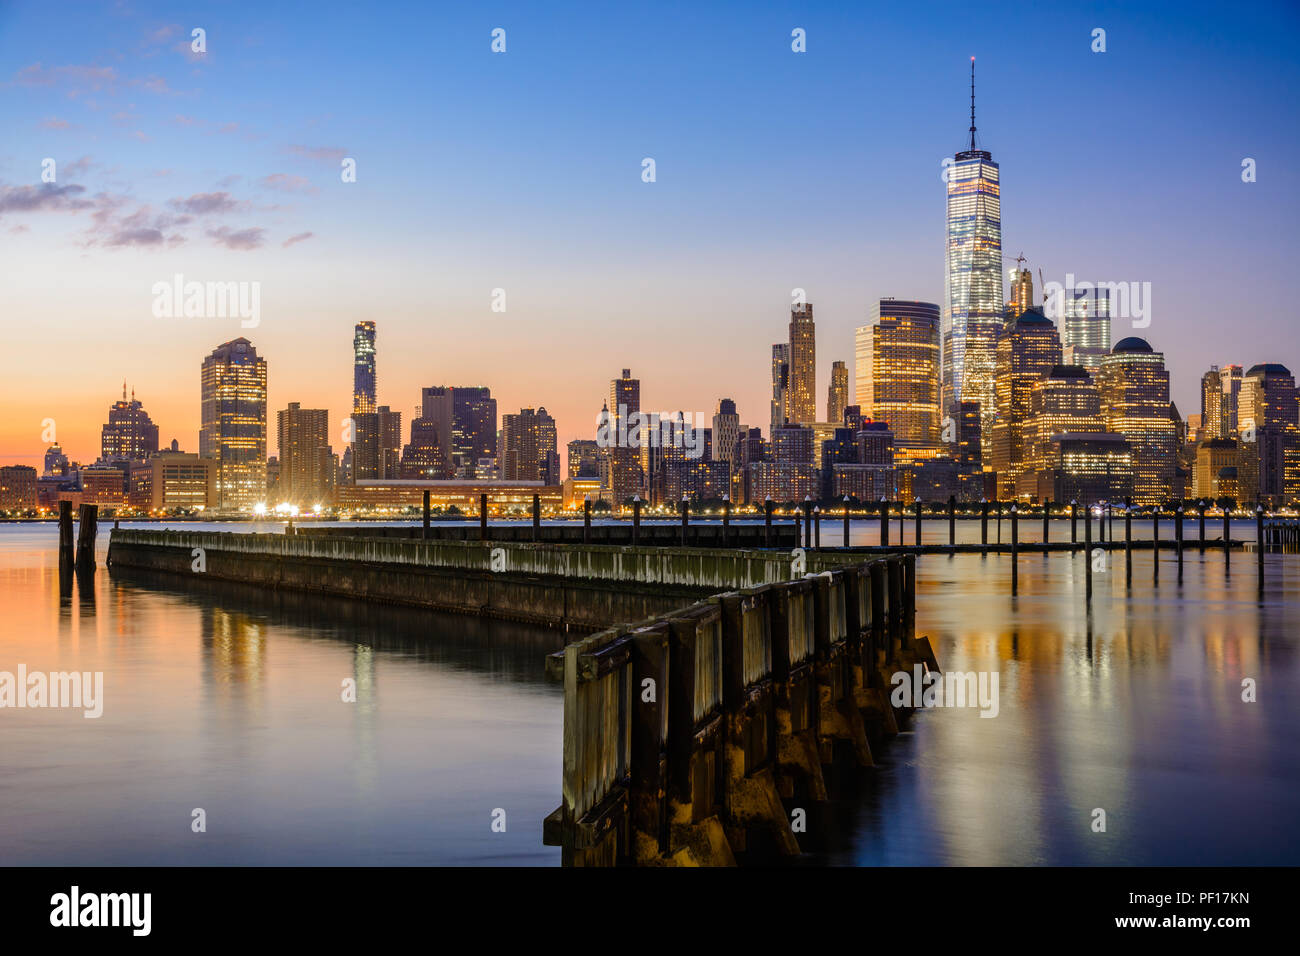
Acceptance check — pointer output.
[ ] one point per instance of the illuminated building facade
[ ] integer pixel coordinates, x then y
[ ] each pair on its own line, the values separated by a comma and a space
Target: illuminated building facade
1028, 348
780, 386
899, 384
364, 381
1134, 389
973, 278
1084, 314
802, 397
1064, 400
234, 422
1213, 456
1269, 448
1088, 468
1230, 379
474, 427
306, 461
17, 488
620, 465
726, 429
837, 395
182, 480
129, 434
584, 459
1022, 292
529, 447
1212, 403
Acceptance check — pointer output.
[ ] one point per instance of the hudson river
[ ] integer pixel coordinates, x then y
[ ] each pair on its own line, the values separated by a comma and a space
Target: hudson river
230, 701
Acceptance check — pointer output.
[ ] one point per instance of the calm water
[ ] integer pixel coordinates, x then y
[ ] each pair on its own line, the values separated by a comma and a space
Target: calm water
228, 699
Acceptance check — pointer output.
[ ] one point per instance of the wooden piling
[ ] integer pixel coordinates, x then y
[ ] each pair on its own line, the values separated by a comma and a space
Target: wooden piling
537, 518
726, 522
67, 557
1178, 535
1015, 542
1259, 545
984, 522
952, 521
846, 521
586, 519
636, 520
918, 523
817, 526
483, 517
767, 522
884, 523
1155, 545
425, 532
1047, 520
89, 526
1128, 545
1074, 522
1087, 552
1201, 509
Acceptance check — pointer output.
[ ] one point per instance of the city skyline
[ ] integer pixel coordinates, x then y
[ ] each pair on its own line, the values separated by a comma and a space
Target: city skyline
547, 348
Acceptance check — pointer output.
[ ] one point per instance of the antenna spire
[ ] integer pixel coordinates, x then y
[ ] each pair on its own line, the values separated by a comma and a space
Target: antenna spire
972, 104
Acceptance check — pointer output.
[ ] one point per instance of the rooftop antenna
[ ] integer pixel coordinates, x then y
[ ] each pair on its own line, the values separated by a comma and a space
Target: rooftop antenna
972, 104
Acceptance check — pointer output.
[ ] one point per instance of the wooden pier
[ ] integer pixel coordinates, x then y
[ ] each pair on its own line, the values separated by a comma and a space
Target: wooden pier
693, 737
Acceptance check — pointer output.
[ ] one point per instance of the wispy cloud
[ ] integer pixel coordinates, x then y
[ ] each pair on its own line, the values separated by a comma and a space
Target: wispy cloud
203, 204
53, 122
324, 154
287, 183
301, 237
242, 239
47, 197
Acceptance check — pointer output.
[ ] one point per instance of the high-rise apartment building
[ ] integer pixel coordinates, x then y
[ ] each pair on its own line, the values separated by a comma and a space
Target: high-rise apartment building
837, 395
780, 386
528, 442
621, 475
1028, 347
973, 278
899, 383
1022, 291
1134, 389
474, 427
584, 458
233, 423
726, 429
1212, 403
802, 401
364, 381
1065, 400
306, 460
1229, 403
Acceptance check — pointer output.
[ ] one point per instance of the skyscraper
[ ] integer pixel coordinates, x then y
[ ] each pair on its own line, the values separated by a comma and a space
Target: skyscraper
620, 476
974, 278
780, 386
1212, 403
1084, 315
1028, 347
474, 427
802, 401
129, 434
837, 395
233, 422
1134, 389
898, 383
1269, 428
363, 369
1022, 290
306, 462
726, 429
528, 447
1230, 380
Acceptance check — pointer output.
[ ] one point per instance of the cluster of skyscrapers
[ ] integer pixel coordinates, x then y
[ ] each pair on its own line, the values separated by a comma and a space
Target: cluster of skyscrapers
979, 398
